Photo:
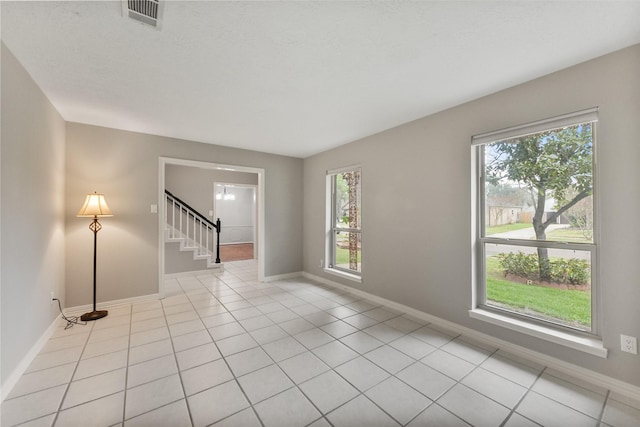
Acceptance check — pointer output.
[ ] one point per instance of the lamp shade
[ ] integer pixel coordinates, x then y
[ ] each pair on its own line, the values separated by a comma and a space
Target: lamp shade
94, 206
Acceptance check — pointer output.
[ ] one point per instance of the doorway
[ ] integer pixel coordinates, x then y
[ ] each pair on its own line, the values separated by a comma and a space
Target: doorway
205, 169
235, 205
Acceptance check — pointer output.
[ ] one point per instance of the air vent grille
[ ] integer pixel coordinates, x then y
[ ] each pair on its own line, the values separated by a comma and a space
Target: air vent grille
146, 11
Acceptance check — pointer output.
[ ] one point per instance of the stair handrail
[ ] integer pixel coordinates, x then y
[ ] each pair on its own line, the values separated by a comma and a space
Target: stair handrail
195, 214
191, 210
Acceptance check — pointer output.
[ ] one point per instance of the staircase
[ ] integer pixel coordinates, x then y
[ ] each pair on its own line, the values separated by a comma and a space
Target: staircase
192, 231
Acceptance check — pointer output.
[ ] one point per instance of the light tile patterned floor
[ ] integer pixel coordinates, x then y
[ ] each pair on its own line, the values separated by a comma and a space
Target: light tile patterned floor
226, 350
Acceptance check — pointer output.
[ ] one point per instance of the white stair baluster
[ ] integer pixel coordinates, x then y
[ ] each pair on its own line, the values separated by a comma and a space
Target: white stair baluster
202, 248
173, 218
180, 220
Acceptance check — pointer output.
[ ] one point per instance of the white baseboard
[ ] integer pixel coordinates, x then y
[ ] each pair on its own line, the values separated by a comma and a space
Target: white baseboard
570, 369
19, 370
79, 309
212, 270
283, 276
235, 243
13, 378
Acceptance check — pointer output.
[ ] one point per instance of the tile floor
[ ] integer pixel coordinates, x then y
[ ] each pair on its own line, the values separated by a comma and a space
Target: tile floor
226, 350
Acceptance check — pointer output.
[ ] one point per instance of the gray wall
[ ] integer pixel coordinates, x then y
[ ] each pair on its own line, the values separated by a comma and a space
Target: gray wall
238, 216
124, 166
177, 261
32, 216
417, 202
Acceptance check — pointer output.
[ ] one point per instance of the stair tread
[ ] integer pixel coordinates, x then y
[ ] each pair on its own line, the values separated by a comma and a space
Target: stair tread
186, 244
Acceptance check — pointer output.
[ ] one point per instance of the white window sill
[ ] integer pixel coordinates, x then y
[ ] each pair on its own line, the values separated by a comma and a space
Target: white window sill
344, 274
588, 345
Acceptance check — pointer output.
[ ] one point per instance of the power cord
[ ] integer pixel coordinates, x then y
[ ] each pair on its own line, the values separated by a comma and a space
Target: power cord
72, 320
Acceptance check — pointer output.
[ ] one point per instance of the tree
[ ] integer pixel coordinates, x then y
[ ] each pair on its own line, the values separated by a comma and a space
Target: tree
347, 205
353, 182
505, 196
342, 200
581, 217
556, 163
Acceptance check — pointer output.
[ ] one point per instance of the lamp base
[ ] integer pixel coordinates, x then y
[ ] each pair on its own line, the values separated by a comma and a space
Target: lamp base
94, 315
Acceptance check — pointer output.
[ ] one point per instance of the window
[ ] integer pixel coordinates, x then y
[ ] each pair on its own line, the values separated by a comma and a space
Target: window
535, 222
344, 232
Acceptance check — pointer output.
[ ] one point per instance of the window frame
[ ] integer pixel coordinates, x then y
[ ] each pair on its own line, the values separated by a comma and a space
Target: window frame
511, 318
331, 229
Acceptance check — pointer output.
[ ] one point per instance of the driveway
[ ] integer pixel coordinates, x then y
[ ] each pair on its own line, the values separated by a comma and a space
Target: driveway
527, 233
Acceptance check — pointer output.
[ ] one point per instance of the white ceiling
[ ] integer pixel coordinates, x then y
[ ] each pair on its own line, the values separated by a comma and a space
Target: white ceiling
297, 78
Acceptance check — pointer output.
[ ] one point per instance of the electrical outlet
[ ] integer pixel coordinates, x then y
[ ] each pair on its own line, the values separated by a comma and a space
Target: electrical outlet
52, 297
321, 263
629, 344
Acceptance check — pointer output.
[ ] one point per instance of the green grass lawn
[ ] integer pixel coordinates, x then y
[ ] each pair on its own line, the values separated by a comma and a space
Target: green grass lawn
494, 229
561, 234
568, 235
569, 306
342, 256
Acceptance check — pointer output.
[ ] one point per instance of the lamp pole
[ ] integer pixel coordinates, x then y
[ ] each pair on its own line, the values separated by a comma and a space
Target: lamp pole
95, 314
94, 207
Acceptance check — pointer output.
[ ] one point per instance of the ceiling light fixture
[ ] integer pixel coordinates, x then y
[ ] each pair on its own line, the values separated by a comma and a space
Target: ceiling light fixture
225, 196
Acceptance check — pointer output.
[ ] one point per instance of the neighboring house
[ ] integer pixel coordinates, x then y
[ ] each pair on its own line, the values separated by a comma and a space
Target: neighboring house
526, 215
501, 215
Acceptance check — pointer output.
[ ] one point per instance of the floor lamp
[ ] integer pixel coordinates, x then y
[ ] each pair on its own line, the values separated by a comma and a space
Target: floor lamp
94, 207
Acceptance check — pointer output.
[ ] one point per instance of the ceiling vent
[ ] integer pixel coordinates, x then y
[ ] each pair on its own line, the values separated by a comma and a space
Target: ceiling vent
146, 11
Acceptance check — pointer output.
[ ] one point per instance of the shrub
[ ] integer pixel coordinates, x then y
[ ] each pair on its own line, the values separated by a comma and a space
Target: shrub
571, 271
520, 264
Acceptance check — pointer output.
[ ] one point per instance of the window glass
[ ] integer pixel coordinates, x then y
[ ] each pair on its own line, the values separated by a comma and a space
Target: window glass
345, 246
536, 225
